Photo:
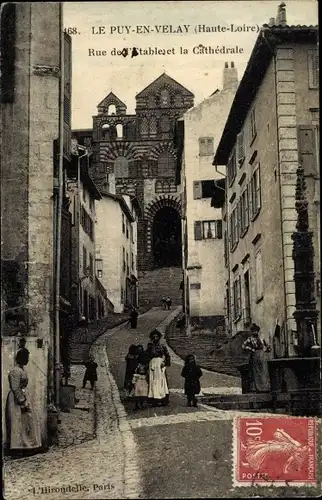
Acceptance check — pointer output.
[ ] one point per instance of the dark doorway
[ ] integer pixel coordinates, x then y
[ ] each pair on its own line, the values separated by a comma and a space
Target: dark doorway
167, 238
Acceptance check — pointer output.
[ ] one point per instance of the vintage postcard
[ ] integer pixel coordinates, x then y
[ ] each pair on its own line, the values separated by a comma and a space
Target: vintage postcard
160, 249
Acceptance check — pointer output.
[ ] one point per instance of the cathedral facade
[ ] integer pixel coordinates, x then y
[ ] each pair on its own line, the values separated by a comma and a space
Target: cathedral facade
136, 155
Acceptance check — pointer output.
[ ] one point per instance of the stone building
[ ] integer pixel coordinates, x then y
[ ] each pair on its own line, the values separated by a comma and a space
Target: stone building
202, 235
137, 152
116, 248
271, 129
30, 88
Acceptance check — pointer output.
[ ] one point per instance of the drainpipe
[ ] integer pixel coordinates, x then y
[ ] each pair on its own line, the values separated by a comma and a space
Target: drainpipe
59, 210
280, 188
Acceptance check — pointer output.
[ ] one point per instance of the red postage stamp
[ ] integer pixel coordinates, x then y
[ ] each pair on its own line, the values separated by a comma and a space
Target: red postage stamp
275, 450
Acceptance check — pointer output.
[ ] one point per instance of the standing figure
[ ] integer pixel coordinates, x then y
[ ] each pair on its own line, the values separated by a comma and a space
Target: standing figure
168, 303
132, 361
163, 303
134, 318
159, 358
90, 372
258, 366
140, 386
192, 373
23, 426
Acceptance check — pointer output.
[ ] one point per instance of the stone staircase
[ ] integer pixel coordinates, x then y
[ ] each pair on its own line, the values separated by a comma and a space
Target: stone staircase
158, 283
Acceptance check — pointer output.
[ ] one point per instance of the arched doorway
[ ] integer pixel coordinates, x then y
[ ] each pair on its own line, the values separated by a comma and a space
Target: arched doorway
166, 237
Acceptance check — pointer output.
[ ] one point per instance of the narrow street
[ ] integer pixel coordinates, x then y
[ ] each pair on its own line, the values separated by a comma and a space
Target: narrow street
164, 452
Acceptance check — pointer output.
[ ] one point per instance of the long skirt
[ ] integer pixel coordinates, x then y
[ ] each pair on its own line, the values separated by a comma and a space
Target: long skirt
158, 386
23, 428
258, 372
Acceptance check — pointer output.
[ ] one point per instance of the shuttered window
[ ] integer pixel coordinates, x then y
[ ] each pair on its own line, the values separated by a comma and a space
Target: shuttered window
259, 275
198, 230
237, 297
253, 130
307, 148
231, 168
256, 191
313, 69
206, 146
212, 229
240, 148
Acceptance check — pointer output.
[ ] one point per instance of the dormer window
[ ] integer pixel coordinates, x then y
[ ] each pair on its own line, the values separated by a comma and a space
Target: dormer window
111, 110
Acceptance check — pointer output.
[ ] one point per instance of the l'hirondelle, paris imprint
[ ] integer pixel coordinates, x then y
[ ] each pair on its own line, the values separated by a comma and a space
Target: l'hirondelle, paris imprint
160, 271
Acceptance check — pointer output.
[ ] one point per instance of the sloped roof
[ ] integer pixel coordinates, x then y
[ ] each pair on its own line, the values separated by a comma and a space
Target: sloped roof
264, 49
164, 79
111, 98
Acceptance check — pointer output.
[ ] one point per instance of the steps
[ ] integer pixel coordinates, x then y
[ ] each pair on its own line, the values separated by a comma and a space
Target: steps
158, 283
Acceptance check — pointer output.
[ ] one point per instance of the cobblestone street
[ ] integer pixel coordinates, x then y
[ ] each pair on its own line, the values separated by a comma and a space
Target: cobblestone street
164, 452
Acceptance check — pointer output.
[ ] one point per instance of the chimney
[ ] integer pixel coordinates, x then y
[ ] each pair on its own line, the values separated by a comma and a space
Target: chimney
230, 77
281, 15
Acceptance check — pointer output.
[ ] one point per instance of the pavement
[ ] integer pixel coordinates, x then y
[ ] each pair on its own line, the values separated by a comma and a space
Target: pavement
163, 452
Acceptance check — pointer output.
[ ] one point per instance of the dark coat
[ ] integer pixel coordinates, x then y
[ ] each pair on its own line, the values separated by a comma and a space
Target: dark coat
132, 362
91, 371
192, 375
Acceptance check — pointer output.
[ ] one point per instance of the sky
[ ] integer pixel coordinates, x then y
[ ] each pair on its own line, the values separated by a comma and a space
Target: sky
142, 25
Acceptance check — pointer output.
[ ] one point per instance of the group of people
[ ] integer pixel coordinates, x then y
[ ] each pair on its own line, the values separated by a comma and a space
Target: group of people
146, 380
166, 303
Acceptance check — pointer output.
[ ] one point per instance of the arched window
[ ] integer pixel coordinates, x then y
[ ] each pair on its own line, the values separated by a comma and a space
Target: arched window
158, 187
151, 101
111, 110
178, 101
121, 167
164, 124
164, 98
106, 131
153, 126
144, 126
113, 133
166, 165
119, 131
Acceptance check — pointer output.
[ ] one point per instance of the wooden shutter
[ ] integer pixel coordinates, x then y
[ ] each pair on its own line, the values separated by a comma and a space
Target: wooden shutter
219, 229
240, 147
307, 150
198, 230
313, 68
197, 190
250, 200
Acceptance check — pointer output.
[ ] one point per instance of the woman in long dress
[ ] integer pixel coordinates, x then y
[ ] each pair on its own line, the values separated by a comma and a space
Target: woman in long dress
159, 359
23, 427
258, 366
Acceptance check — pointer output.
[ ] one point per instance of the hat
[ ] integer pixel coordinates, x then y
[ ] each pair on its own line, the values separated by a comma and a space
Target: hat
254, 328
155, 332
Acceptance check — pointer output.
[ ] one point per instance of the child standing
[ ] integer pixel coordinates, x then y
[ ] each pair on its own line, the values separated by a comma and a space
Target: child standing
132, 362
90, 372
191, 372
140, 386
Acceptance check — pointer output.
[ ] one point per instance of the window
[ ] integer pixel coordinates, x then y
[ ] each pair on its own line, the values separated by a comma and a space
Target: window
8, 52
166, 165
127, 264
212, 229
87, 223
119, 131
127, 229
111, 110
84, 194
121, 167
247, 310
313, 68
164, 98
106, 131
233, 226
240, 148
206, 146
231, 168
91, 204
132, 233
237, 298
255, 192
259, 275
100, 273
226, 248
132, 261
253, 130
91, 266
244, 212
123, 223
165, 186
165, 124
153, 126
84, 260
144, 126
124, 263
308, 150
203, 189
